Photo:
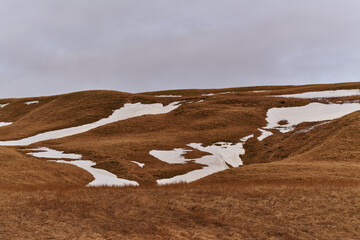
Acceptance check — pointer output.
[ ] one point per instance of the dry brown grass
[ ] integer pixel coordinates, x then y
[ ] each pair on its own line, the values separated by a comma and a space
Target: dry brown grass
17, 169
226, 211
290, 89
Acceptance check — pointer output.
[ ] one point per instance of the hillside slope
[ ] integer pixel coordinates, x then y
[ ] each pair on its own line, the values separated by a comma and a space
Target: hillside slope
297, 181
203, 116
329, 153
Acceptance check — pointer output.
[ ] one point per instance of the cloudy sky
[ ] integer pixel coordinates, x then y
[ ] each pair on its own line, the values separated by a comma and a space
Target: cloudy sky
58, 46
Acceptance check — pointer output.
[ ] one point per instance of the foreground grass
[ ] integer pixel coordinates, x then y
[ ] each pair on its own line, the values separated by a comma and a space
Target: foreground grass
252, 210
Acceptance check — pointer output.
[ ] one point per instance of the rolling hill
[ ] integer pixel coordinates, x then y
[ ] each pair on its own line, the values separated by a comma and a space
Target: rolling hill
271, 162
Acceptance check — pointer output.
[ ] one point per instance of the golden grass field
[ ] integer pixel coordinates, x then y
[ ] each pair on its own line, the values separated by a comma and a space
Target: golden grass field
292, 186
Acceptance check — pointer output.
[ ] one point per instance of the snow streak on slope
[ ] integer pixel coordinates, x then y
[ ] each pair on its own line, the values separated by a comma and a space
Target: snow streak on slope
3, 105
45, 152
323, 94
222, 155
213, 94
3, 124
102, 177
312, 127
164, 96
128, 111
259, 91
139, 164
264, 134
313, 112
32, 102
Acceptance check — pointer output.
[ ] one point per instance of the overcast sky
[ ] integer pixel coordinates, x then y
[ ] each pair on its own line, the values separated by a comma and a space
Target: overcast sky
58, 46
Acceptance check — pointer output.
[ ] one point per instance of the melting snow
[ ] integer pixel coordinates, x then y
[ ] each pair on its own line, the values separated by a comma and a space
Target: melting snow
323, 94
45, 152
128, 111
168, 96
213, 94
312, 127
173, 156
32, 102
244, 139
223, 154
102, 177
3, 124
139, 164
3, 105
257, 91
313, 112
264, 134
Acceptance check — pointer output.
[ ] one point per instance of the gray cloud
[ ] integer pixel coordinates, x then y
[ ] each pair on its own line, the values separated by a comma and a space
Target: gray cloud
53, 46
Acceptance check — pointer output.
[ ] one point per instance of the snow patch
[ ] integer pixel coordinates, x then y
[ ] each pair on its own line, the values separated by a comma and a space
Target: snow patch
244, 139
222, 155
174, 156
313, 112
3, 105
102, 177
32, 102
323, 94
163, 96
264, 134
129, 110
258, 91
139, 164
3, 124
312, 127
213, 94
44, 152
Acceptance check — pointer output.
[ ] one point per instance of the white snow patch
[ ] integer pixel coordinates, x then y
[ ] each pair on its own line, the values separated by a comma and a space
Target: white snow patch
102, 177
222, 155
139, 164
3, 124
264, 134
173, 156
3, 105
128, 111
32, 102
200, 101
213, 94
313, 112
312, 127
163, 96
244, 139
323, 94
258, 91
45, 152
